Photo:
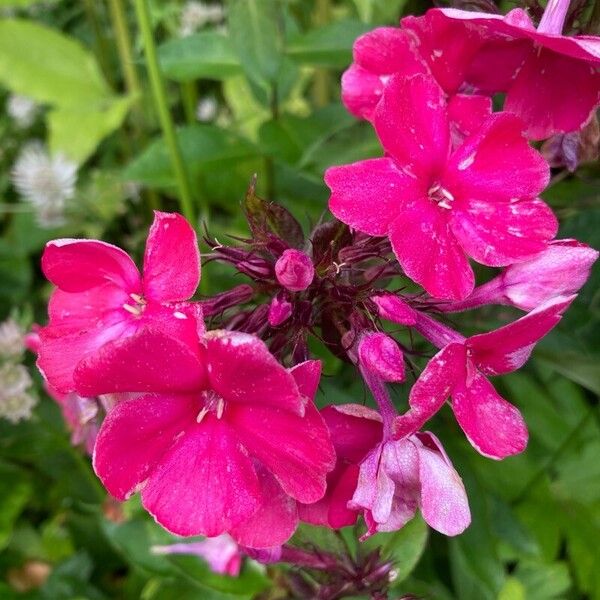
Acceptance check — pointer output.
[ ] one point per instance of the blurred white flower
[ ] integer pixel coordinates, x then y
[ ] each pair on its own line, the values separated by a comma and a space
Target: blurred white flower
44, 181
22, 110
195, 15
11, 339
16, 403
207, 109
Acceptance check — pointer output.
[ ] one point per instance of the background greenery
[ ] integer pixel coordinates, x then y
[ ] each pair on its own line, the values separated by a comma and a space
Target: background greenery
273, 67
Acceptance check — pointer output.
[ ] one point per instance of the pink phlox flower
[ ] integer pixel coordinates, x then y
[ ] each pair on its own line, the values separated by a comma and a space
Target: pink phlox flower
355, 430
231, 455
439, 206
93, 343
551, 81
400, 476
221, 553
380, 354
493, 426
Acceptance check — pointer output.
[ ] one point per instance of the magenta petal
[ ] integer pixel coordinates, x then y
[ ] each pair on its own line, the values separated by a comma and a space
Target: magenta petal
205, 484
78, 265
494, 427
496, 164
501, 233
171, 260
412, 124
507, 349
242, 370
367, 195
467, 114
444, 502
361, 91
429, 253
274, 522
380, 354
148, 361
392, 308
432, 388
297, 450
307, 376
135, 435
553, 93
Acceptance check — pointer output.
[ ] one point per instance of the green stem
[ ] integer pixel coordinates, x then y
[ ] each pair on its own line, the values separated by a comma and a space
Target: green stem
189, 95
162, 107
593, 26
322, 77
102, 50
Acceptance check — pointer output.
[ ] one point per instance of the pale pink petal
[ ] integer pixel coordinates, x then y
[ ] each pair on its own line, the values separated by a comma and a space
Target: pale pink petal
205, 484
501, 233
367, 195
380, 354
135, 435
297, 450
429, 253
365, 494
171, 260
496, 164
274, 522
506, 349
307, 376
494, 427
553, 93
148, 361
467, 114
243, 371
444, 502
432, 388
412, 124
78, 265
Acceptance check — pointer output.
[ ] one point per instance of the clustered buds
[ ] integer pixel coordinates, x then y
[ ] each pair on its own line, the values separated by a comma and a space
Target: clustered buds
219, 433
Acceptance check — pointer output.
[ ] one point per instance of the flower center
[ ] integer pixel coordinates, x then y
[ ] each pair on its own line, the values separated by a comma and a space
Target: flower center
137, 307
441, 196
213, 403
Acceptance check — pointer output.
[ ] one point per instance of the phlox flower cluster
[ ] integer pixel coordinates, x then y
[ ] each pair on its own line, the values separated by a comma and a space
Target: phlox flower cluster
213, 418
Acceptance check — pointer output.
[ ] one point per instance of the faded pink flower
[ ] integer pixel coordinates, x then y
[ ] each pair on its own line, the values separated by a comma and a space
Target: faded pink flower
294, 270
230, 455
103, 309
355, 430
551, 81
400, 476
221, 553
493, 426
439, 206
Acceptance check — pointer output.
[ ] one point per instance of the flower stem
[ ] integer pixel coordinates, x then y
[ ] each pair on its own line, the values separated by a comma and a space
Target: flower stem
437, 333
162, 107
554, 17
387, 410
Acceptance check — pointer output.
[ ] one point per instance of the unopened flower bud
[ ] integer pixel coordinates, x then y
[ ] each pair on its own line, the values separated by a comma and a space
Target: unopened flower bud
391, 308
380, 354
280, 310
294, 270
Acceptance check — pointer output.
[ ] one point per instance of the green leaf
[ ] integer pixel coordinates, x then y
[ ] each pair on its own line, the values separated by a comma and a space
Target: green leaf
542, 581
48, 66
76, 131
512, 589
378, 12
329, 46
575, 366
255, 28
206, 55
15, 490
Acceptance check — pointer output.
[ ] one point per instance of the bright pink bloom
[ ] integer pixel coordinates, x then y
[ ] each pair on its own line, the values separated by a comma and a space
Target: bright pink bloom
379, 354
231, 455
92, 343
400, 476
280, 310
439, 206
551, 81
294, 270
559, 270
492, 425
222, 553
355, 430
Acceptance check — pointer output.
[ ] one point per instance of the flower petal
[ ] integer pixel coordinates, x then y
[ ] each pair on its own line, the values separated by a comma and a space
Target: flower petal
494, 427
367, 195
412, 124
507, 349
361, 91
205, 484
78, 265
135, 435
243, 371
429, 253
171, 260
467, 114
307, 376
297, 450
